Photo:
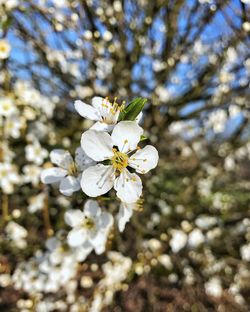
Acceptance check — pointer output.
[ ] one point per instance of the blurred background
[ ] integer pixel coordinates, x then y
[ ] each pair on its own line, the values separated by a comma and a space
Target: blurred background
188, 247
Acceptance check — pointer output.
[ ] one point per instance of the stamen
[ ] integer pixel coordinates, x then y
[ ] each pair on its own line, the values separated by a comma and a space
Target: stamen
111, 110
119, 160
88, 223
72, 169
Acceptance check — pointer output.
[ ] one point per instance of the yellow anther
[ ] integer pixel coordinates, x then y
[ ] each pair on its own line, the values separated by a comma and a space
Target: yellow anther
139, 205
72, 170
88, 223
119, 160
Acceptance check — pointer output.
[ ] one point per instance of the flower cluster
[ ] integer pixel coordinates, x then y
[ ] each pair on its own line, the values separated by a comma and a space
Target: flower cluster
109, 157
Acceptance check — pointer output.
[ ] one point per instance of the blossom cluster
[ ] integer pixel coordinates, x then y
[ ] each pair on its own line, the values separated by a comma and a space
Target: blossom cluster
109, 157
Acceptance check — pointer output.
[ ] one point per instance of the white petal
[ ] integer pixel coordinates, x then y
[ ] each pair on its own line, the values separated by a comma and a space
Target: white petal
91, 208
97, 145
53, 175
87, 111
82, 252
106, 221
97, 180
82, 160
52, 243
145, 159
74, 217
76, 237
61, 158
99, 242
99, 249
128, 186
138, 119
69, 185
102, 126
126, 135
124, 215
97, 102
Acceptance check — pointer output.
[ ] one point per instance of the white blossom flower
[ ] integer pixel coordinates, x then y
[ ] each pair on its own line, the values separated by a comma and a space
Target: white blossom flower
36, 203
8, 177
17, 234
115, 148
35, 153
102, 111
124, 214
12, 126
4, 49
68, 172
213, 287
195, 238
90, 226
32, 174
245, 252
178, 240
7, 107
9, 4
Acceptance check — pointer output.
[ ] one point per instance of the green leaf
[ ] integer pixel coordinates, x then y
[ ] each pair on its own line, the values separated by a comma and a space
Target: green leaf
143, 138
133, 109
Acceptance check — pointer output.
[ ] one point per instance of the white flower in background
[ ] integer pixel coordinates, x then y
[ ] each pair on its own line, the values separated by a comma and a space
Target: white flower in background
205, 222
4, 49
213, 287
178, 240
245, 252
7, 107
102, 111
9, 4
57, 251
8, 177
17, 234
195, 238
100, 146
68, 172
166, 261
124, 214
90, 226
12, 126
35, 153
60, 3
217, 120
5, 280
32, 174
36, 203
116, 270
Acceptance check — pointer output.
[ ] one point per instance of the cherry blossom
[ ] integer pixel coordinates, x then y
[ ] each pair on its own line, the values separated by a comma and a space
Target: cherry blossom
89, 227
68, 172
116, 149
102, 111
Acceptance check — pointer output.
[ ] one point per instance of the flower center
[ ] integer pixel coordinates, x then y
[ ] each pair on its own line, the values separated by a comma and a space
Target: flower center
72, 170
6, 106
3, 48
112, 110
88, 223
119, 160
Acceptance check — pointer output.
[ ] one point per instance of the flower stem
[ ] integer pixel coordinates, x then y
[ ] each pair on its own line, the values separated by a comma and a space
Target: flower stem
5, 207
46, 217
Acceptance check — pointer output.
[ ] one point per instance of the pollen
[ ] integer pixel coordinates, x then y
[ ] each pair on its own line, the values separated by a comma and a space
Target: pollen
72, 170
6, 106
113, 108
88, 223
119, 160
